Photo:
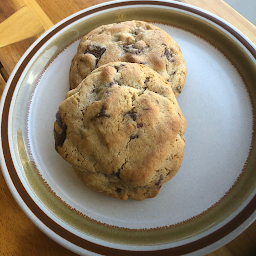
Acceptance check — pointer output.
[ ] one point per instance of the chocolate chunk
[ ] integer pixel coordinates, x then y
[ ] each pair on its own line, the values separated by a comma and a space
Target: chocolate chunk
102, 113
132, 114
132, 137
146, 80
121, 168
112, 83
160, 179
118, 172
60, 137
59, 120
136, 32
178, 89
168, 53
97, 51
118, 190
131, 49
118, 67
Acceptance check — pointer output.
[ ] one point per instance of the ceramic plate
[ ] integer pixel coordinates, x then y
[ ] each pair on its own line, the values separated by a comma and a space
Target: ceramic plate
212, 198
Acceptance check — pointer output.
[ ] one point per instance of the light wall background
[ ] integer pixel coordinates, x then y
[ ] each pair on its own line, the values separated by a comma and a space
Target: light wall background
247, 8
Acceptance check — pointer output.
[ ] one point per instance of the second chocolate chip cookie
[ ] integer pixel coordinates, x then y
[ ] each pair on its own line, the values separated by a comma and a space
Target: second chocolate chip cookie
130, 41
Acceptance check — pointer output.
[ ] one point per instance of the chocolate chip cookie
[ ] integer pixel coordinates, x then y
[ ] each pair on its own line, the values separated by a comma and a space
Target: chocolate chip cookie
130, 41
122, 130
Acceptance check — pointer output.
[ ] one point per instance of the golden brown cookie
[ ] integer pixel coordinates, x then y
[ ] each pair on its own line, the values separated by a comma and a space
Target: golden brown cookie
130, 41
122, 130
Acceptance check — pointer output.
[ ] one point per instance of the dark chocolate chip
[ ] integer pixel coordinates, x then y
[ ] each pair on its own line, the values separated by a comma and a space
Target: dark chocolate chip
113, 173
168, 53
132, 137
60, 137
112, 83
118, 190
96, 90
118, 171
132, 114
102, 113
121, 168
139, 125
178, 89
59, 120
160, 179
136, 32
146, 80
97, 51
131, 49
118, 67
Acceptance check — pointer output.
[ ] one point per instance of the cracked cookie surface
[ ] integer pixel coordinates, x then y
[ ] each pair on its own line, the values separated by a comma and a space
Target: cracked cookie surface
122, 130
130, 41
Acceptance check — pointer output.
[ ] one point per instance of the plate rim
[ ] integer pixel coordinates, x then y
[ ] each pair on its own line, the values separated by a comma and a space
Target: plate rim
21, 65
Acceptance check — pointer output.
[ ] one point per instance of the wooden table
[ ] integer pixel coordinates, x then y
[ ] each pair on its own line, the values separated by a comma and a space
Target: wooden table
28, 19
